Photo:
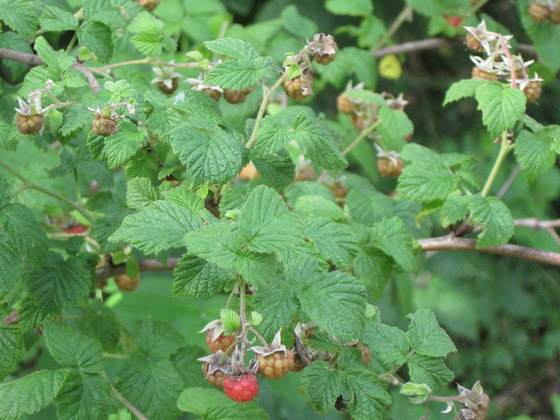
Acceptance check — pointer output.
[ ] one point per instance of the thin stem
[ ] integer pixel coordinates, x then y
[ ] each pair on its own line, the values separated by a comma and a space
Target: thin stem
403, 15
233, 292
71, 43
115, 356
509, 181
511, 63
243, 316
121, 64
127, 404
445, 399
49, 192
363, 134
266, 99
504, 150
257, 334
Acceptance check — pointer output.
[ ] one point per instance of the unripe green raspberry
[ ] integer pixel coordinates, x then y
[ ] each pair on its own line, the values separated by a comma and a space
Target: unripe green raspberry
149, 4
299, 87
533, 91
538, 12
103, 126
237, 96
276, 365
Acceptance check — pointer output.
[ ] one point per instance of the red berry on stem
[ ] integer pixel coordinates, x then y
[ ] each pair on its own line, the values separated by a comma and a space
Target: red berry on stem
454, 21
241, 388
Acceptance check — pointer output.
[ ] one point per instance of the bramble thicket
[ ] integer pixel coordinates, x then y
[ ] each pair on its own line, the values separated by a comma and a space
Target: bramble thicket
246, 209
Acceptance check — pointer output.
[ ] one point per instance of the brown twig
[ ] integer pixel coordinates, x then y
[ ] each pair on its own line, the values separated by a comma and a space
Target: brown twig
31, 60
536, 223
450, 242
93, 83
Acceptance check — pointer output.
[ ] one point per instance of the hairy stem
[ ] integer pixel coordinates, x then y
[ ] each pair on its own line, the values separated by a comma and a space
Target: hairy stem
264, 104
505, 148
49, 192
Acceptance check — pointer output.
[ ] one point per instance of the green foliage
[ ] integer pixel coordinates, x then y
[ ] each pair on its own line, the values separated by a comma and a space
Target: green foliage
271, 211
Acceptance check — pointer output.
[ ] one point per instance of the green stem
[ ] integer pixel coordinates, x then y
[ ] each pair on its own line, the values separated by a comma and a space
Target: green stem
403, 15
115, 356
479, 5
266, 99
362, 136
71, 43
505, 148
49, 192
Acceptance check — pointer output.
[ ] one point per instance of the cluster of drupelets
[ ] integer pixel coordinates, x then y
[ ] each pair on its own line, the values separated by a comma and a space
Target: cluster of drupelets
226, 366
545, 10
498, 63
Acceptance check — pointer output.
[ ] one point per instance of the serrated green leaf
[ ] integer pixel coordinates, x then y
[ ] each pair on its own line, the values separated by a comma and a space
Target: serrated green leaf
73, 78
274, 134
58, 283
152, 386
318, 206
56, 19
103, 11
97, 38
321, 385
501, 107
337, 302
368, 206
77, 117
333, 241
390, 343
84, 396
350, 7
11, 349
427, 178
392, 237
535, 153
24, 232
29, 314
199, 278
370, 395
278, 305
158, 340
196, 105
140, 193
394, 128
426, 336
233, 48
20, 16
212, 404
10, 264
454, 209
462, 89
188, 367
373, 267
71, 348
210, 156
297, 24
158, 227
276, 171
429, 370
31, 393
239, 74
316, 143
494, 217
57, 60
148, 43
124, 144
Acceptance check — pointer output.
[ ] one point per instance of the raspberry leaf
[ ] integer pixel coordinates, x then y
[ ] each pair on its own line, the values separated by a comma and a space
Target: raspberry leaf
233, 48
373, 267
392, 237
125, 143
98, 38
157, 227
429, 370
495, 218
350, 7
454, 209
337, 302
11, 349
389, 343
334, 241
321, 384
462, 89
239, 74
369, 394
394, 128
20, 16
426, 336
140, 193
535, 153
501, 107
198, 278
10, 264
31, 393
71, 348
158, 340
368, 206
212, 404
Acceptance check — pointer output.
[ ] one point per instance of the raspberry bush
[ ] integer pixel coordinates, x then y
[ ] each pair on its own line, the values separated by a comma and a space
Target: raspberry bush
293, 173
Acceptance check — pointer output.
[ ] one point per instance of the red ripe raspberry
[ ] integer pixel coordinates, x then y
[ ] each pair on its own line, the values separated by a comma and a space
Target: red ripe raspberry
344, 104
237, 96
166, 89
149, 4
388, 168
104, 126
75, 229
533, 91
241, 388
222, 342
478, 73
276, 365
299, 88
538, 12
216, 378
127, 284
454, 21
29, 124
